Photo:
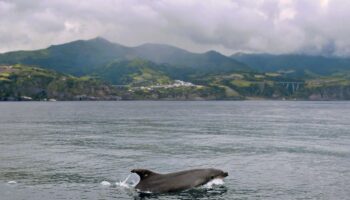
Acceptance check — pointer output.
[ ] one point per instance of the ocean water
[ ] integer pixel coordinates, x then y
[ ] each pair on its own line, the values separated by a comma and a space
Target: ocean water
271, 149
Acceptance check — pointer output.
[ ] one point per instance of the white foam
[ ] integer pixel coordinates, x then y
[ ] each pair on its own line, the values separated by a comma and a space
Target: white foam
145, 192
12, 182
105, 183
122, 184
216, 181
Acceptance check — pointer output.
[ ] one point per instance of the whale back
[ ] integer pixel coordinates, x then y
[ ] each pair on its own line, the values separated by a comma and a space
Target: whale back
172, 182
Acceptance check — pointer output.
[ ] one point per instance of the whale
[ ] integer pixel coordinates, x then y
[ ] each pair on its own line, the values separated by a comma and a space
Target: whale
152, 182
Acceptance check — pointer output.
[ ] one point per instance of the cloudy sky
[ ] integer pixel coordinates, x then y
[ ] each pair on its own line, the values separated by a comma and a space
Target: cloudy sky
228, 26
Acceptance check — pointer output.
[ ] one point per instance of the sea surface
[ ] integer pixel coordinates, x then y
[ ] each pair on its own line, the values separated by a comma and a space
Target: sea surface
271, 149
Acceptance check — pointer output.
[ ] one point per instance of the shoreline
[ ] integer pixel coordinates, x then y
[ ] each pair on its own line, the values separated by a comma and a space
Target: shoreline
174, 100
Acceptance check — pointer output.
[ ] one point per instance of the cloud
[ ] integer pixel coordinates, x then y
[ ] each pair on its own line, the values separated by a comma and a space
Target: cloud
228, 26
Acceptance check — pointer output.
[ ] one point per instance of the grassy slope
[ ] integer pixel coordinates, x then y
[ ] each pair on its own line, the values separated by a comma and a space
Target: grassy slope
136, 72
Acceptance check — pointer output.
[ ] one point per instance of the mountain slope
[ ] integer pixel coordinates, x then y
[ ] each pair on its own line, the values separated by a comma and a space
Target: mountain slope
85, 56
78, 58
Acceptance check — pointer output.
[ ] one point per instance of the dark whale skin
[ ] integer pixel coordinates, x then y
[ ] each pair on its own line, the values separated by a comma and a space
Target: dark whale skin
174, 182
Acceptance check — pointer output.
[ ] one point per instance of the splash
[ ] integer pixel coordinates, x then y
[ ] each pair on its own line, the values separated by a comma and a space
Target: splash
212, 183
130, 181
105, 183
123, 183
11, 182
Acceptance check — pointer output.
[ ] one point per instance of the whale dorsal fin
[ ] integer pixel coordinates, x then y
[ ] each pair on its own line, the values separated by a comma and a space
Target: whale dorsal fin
143, 173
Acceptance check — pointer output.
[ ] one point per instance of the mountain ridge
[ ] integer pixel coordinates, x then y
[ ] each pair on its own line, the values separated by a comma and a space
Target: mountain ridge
81, 57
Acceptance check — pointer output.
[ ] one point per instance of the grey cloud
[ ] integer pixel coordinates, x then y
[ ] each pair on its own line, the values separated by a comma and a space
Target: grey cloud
273, 26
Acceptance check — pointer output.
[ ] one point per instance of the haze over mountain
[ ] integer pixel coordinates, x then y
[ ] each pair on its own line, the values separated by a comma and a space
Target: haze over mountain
320, 65
318, 27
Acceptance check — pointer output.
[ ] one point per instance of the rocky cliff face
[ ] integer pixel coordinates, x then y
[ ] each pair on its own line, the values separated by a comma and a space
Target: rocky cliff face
330, 93
30, 83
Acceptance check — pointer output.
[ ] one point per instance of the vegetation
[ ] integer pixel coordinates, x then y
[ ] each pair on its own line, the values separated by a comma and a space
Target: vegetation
136, 72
